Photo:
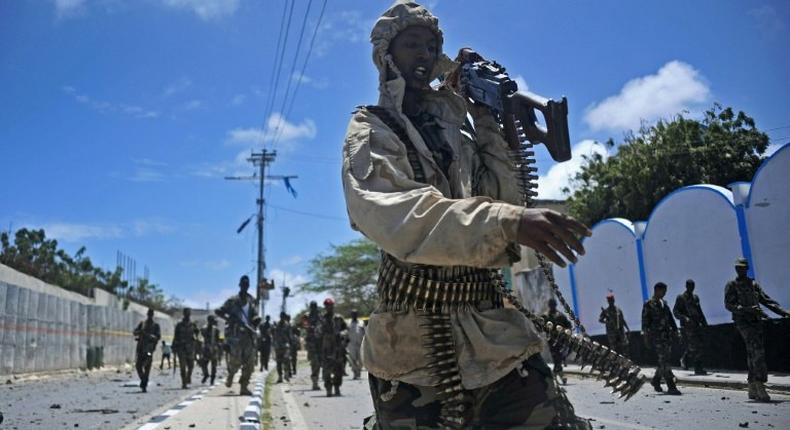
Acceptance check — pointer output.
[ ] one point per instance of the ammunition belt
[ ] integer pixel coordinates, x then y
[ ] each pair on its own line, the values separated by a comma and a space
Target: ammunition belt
433, 288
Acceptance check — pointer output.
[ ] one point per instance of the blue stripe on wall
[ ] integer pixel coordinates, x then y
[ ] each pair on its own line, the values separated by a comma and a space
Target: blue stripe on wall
743, 231
640, 257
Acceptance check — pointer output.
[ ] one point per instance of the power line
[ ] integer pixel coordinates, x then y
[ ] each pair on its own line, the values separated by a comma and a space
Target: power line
304, 65
290, 75
279, 69
310, 214
270, 98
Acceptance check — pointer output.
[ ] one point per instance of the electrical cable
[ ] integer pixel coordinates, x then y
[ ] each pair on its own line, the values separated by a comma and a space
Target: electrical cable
279, 67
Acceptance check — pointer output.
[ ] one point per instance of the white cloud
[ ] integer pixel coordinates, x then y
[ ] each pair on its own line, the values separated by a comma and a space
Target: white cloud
238, 99
215, 298
178, 86
215, 265
144, 227
194, 104
559, 175
106, 107
277, 125
676, 87
317, 83
68, 8
343, 27
146, 174
768, 19
239, 166
75, 232
206, 9
292, 260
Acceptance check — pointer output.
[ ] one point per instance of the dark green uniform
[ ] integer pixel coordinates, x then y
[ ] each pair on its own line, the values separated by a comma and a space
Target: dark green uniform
241, 316
185, 347
333, 351
147, 335
743, 297
211, 352
265, 343
692, 322
557, 318
295, 346
660, 330
281, 341
616, 328
312, 341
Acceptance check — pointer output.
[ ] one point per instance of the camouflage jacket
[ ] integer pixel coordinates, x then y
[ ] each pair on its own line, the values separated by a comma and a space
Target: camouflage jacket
281, 336
658, 325
743, 298
688, 310
147, 335
296, 343
211, 342
184, 339
238, 322
312, 340
333, 337
613, 317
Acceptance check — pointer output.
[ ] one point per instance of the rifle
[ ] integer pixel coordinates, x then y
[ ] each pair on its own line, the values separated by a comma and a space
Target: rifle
487, 84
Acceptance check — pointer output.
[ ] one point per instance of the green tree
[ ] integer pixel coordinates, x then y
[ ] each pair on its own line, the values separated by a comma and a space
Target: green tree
348, 272
721, 148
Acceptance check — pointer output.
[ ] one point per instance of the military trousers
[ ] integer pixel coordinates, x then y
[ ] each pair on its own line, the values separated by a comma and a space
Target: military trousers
332, 369
187, 361
694, 346
315, 364
524, 399
753, 335
242, 356
282, 356
618, 342
557, 357
266, 352
143, 366
294, 358
663, 349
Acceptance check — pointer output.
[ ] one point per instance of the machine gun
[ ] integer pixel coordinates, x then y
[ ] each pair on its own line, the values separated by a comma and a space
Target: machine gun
486, 83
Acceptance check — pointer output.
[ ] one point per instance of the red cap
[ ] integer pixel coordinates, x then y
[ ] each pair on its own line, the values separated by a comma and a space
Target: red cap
329, 301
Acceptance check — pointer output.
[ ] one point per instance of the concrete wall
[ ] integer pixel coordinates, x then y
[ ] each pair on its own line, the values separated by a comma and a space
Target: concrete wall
695, 232
44, 327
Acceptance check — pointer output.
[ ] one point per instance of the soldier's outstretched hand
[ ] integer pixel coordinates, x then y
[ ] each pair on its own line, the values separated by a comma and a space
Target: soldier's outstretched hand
552, 234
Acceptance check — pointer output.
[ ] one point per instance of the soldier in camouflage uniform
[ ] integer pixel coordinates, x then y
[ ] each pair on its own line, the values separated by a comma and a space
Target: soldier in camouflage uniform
312, 342
295, 344
211, 349
558, 319
659, 331
185, 347
265, 342
439, 196
147, 335
281, 341
616, 327
692, 323
333, 348
240, 313
743, 297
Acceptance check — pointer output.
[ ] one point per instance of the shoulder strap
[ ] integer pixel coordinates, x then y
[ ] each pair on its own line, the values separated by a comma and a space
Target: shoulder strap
411, 152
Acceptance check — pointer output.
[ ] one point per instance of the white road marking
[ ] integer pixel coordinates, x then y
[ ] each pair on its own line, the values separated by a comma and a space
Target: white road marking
297, 419
157, 420
618, 423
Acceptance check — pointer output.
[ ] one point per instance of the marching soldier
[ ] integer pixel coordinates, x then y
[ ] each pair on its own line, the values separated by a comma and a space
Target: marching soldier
281, 341
295, 345
241, 315
558, 319
333, 348
616, 327
265, 342
185, 346
211, 349
743, 297
312, 341
659, 330
692, 322
356, 332
147, 335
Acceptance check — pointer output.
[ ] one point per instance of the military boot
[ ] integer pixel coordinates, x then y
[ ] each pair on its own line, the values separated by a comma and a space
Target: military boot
245, 391
329, 391
760, 394
656, 383
337, 391
752, 391
672, 389
316, 387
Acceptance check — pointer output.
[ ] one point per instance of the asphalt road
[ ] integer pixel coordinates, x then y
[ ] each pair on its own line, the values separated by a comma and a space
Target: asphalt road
295, 407
104, 399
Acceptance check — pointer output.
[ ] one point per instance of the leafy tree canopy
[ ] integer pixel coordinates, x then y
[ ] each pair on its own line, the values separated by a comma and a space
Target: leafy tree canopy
348, 273
35, 255
721, 148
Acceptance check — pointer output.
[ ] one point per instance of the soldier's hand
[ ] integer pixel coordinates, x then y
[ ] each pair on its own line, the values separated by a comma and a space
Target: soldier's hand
552, 234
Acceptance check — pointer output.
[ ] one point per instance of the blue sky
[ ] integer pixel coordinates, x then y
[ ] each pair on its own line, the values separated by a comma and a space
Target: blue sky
119, 118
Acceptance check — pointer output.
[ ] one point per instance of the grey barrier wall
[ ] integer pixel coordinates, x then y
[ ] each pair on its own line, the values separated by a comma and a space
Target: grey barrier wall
44, 327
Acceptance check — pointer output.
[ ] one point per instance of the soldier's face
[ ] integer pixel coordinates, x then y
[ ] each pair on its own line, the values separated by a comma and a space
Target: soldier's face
742, 270
610, 300
661, 292
414, 51
690, 288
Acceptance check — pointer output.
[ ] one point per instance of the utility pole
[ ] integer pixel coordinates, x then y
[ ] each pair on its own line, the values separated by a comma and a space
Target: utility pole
260, 160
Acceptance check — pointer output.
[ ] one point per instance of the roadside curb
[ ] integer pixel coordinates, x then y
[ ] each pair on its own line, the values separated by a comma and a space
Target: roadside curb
251, 420
727, 384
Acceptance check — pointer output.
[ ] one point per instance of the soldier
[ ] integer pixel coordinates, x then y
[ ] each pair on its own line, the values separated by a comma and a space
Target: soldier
557, 318
616, 327
147, 335
692, 322
356, 332
240, 313
743, 297
295, 345
659, 330
211, 349
265, 342
312, 341
281, 341
333, 348
439, 196
185, 346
